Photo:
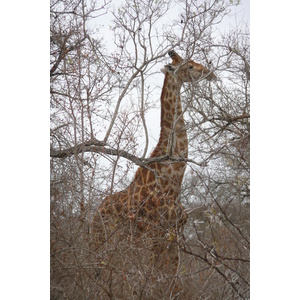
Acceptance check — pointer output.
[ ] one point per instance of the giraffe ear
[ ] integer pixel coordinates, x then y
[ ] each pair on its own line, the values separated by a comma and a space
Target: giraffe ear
168, 68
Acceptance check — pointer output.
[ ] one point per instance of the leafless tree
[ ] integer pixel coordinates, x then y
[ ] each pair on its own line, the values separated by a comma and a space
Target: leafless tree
101, 97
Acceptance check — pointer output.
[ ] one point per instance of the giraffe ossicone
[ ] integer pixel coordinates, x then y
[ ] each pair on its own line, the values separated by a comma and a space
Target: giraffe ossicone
148, 213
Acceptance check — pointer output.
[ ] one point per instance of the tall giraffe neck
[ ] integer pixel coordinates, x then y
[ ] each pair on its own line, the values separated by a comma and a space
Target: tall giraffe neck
173, 137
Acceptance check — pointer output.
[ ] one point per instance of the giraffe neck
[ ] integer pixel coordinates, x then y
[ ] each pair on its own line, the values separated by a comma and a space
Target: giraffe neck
164, 178
173, 136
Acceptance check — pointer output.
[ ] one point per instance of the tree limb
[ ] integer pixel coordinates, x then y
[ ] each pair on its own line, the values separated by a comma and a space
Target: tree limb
96, 146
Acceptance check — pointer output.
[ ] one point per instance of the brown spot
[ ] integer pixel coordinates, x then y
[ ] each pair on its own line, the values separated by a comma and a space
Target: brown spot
171, 193
165, 123
150, 177
181, 144
181, 135
144, 176
167, 105
144, 193
108, 211
178, 167
136, 197
172, 94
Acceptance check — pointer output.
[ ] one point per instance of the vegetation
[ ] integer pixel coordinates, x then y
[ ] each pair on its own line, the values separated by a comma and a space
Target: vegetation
105, 89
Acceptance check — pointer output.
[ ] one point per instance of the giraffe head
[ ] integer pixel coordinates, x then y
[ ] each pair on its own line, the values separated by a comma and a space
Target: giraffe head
187, 70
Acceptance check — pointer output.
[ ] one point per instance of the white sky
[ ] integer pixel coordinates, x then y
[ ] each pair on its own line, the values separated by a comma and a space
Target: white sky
241, 12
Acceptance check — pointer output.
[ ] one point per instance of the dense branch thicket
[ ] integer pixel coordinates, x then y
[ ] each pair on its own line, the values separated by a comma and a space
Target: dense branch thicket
102, 96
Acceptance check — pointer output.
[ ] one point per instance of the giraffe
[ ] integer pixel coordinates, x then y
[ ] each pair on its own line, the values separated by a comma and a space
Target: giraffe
147, 217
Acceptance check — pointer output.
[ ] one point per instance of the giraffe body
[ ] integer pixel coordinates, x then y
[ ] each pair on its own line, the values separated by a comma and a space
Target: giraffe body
144, 221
